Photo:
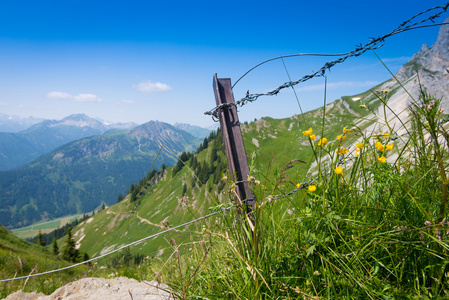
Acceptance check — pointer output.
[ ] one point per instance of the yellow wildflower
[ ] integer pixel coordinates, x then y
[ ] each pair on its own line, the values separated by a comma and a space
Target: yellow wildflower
360, 145
297, 185
382, 159
357, 151
322, 141
386, 135
341, 137
379, 146
342, 151
346, 131
312, 188
338, 170
389, 147
312, 136
308, 132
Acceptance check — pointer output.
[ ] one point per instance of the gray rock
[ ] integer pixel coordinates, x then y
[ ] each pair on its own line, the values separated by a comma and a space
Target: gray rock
100, 288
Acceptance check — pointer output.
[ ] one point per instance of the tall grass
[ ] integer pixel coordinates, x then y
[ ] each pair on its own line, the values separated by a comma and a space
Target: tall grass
372, 224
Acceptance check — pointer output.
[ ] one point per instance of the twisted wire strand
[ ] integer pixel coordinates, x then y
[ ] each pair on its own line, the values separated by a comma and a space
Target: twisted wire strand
373, 44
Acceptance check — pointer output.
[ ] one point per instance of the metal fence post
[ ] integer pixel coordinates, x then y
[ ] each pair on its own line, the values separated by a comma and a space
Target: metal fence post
233, 140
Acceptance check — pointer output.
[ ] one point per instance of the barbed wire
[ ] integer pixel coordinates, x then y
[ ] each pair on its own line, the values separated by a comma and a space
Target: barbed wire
373, 44
118, 249
287, 56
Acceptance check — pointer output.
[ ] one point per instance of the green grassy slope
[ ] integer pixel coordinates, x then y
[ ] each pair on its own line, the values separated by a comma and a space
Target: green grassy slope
160, 208
20, 258
44, 227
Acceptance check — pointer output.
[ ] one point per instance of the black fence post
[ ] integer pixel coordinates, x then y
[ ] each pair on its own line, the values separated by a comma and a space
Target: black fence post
233, 140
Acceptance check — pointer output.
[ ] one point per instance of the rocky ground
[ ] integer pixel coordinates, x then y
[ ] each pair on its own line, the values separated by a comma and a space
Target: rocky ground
100, 288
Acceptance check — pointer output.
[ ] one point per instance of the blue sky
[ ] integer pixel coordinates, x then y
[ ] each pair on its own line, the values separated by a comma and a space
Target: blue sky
137, 61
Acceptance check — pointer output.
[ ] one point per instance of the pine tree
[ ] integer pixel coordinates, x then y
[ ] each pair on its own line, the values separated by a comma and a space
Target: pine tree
86, 257
40, 239
69, 252
184, 189
133, 196
120, 198
55, 247
194, 164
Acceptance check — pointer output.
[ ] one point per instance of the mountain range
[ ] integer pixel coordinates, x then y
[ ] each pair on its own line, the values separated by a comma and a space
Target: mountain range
37, 137
16, 123
77, 177
19, 148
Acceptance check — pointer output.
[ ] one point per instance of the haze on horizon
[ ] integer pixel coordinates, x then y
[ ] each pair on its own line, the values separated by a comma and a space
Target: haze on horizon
140, 61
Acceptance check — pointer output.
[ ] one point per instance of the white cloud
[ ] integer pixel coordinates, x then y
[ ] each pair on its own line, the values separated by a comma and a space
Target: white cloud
341, 84
3, 103
87, 98
59, 95
127, 101
77, 98
149, 86
400, 59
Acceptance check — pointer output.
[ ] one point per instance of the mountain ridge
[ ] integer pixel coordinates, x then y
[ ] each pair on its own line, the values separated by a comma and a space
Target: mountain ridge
14, 124
431, 64
197, 131
19, 148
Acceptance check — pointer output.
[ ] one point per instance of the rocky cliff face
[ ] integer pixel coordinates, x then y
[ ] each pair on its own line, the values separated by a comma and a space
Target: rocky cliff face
430, 68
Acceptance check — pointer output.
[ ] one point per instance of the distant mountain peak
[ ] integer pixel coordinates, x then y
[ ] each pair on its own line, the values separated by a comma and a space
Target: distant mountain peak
81, 120
77, 117
150, 129
196, 131
16, 123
